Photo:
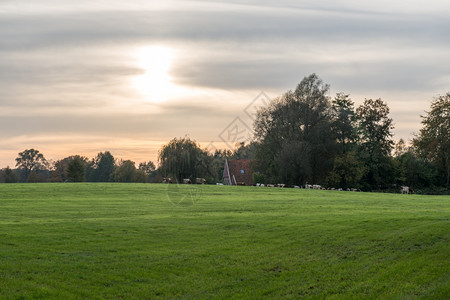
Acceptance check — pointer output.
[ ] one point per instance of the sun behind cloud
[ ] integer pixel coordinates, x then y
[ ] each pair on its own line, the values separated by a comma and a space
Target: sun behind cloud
156, 83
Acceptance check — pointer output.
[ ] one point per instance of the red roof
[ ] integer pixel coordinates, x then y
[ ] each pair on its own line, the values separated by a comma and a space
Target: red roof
240, 172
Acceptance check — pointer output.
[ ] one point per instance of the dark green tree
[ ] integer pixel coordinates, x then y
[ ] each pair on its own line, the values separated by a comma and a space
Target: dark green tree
293, 162
348, 170
183, 158
344, 122
30, 161
60, 169
76, 169
416, 172
8, 175
101, 168
433, 141
376, 143
127, 172
295, 140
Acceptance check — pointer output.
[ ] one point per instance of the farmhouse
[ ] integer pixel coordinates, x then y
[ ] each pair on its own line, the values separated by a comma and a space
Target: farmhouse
238, 172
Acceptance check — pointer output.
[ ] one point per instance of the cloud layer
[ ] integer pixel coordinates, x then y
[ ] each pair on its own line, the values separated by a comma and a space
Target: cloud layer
67, 69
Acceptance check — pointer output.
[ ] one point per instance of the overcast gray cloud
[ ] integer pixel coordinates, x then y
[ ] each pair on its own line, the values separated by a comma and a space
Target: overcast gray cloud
67, 67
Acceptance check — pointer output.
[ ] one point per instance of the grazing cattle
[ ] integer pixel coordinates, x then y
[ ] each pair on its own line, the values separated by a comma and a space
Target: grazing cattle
316, 187
270, 185
308, 186
187, 181
167, 180
404, 189
219, 183
296, 187
200, 180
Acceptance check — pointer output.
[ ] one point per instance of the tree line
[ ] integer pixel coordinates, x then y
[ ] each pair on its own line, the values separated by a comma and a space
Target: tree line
303, 136
306, 136
181, 158
32, 166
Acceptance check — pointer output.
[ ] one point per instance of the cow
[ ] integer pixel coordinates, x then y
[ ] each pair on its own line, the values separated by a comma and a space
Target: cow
200, 180
187, 181
404, 189
167, 180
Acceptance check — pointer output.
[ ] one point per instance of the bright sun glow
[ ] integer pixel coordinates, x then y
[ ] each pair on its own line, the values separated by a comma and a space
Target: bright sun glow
156, 83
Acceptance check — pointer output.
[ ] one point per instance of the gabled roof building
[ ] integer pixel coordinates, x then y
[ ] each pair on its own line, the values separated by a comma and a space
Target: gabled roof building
238, 172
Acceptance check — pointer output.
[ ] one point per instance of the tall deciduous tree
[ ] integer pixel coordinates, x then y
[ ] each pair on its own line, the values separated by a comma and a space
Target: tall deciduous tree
294, 134
433, 141
347, 167
76, 169
127, 172
30, 160
375, 140
183, 158
102, 167
344, 121
60, 172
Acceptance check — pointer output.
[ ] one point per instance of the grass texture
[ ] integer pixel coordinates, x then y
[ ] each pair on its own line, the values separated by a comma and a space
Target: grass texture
155, 241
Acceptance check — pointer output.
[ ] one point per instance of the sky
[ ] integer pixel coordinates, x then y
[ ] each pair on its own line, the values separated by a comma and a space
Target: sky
82, 77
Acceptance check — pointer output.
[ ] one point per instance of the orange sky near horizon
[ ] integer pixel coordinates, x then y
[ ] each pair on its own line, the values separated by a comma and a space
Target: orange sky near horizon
93, 76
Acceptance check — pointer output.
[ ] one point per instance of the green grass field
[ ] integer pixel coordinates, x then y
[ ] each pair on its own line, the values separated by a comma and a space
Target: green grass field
146, 241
